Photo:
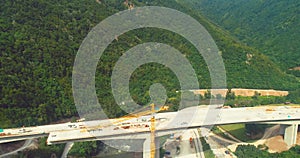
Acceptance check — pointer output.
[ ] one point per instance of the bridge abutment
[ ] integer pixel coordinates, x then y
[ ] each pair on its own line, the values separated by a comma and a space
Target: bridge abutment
290, 133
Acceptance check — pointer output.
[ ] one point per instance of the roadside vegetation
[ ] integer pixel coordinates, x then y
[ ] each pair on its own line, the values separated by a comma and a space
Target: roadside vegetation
292, 99
218, 132
237, 130
246, 132
244, 151
206, 149
43, 150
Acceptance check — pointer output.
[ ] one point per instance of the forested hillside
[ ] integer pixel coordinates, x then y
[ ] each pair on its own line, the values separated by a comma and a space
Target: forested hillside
272, 26
39, 40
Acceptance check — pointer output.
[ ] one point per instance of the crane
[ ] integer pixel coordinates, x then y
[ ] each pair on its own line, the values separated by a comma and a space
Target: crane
152, 126
136, 115
152, 130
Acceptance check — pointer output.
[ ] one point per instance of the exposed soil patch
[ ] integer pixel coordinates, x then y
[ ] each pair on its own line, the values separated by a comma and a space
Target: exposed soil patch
244, 92
295, 68
276, 144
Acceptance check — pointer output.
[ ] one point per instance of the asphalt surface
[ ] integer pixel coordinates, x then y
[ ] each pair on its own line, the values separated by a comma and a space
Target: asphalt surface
25, 145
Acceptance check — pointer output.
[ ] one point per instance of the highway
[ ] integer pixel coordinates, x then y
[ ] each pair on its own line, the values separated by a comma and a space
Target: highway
184, 146
68, 147
167, 123
26, 144
186, 151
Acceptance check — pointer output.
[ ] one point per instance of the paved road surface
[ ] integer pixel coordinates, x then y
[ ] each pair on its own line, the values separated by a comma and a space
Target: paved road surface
186, 151
68, 147
25, 145
218, 146
228, 134
199, 147
175, 120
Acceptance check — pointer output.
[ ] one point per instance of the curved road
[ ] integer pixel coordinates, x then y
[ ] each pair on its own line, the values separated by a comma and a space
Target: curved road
68, 147
217, 143
229, 135
25, 145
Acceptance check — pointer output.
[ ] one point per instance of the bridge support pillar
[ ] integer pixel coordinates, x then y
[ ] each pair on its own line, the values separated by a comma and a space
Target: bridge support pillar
147, 148
290, 134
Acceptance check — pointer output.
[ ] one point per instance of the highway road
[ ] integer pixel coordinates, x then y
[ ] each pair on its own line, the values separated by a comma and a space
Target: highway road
217, 144
198, 145
24, 146
68, 147
168, 122
193, 117
186, 151
229, 135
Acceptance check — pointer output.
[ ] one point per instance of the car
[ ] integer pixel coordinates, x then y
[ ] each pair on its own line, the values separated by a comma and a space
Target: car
184, 123
227, 152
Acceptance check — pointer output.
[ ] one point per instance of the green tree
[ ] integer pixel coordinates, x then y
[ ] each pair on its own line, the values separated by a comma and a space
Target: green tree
294, 96
230, 95
84, 149
207, 94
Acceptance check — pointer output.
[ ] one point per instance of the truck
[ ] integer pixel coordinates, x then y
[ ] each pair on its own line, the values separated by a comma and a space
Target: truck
191, 142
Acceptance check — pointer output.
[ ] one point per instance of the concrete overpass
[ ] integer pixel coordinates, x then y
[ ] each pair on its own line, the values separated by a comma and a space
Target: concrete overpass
167, 123
194, 117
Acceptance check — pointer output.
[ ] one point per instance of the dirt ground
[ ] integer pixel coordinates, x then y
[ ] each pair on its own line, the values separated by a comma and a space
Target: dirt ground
277, 144
244, 92
296, 68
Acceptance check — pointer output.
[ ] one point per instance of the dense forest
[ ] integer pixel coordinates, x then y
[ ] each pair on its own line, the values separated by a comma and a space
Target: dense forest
271, 26
39, 41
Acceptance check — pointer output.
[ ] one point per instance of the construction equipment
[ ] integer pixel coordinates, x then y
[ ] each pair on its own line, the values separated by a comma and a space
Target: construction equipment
130, 116
139, 114
152, 127
191, 142
152, 130
270, 109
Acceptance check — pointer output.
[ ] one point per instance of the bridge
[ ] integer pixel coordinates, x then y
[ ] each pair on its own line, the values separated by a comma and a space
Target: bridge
167, 123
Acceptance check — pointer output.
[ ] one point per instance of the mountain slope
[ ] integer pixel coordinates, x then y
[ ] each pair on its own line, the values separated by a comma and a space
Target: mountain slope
39, 41
269, 25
